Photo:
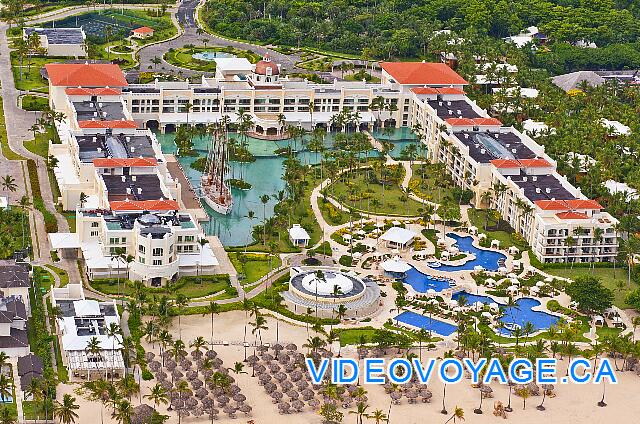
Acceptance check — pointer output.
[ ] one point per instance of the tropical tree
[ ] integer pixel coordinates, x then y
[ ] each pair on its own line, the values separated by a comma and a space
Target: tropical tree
65, 411
212, 308
158, 395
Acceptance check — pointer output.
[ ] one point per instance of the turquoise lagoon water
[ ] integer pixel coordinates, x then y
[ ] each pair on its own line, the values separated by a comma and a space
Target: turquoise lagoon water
212, 55
264, 175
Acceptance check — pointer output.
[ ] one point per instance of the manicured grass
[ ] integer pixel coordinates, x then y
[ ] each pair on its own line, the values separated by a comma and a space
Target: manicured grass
253, 266
39, 146
32, 103
435, 187
332, 214
352, 336
187, 286
34, 410
11, 231
183, 57
44, 277
477, 217
616, 280
62, 275
361, 190
31, 80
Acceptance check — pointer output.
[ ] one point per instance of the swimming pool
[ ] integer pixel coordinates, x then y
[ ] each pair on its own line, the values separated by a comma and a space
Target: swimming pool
488, 259
422, 282
430, 324
520, 314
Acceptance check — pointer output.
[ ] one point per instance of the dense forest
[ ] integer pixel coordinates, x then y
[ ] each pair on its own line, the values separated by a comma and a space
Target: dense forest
386, 29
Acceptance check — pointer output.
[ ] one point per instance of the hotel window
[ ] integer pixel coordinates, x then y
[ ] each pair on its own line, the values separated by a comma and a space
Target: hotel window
157, 261
179, 239
158, 251
140, 248
289, 101
94, 234
189, 238
94, 225
188, 248
141, 259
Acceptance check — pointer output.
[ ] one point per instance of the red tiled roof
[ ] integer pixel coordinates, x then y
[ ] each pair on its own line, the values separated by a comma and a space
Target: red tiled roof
535, 163
583, 204
143, 30
486, 121
124, 162
505, 163
442, 90
425, 90
459, 122
144, 205
422, 73
93, 124
80, 91
552, 205
85, 75
572, 215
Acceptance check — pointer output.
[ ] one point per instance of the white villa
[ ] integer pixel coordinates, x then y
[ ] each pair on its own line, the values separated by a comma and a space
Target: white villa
83, 323
69, 42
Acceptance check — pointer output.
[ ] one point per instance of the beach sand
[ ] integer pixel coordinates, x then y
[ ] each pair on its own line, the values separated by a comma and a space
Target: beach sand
573, 403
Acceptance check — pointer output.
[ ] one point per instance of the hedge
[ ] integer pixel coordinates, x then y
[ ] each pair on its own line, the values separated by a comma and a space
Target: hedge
50, 222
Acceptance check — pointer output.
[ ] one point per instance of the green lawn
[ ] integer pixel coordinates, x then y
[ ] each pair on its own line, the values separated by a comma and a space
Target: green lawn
614, 280
11, 231
253, 266
352, 336
434, 187
477, 217
62, 274
361, 190
31, 80
34, 410
34, 103
183, 57
187, 286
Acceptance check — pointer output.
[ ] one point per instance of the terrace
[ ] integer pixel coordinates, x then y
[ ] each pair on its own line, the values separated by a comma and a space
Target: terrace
114, 146
487, 146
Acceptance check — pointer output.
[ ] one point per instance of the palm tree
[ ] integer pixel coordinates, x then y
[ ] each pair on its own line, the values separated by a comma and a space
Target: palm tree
360, 412
65, 411
378, 416
264, 199
24, 204
214, 309
158, 395
7, 416
201, 241
180, 302
9, 183
123, 412
198, 343
458, 414
93, 350
34, 391
258, 325
113, 331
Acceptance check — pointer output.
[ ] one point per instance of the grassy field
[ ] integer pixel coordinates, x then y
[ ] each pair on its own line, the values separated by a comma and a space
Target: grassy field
62, 275
352, 336
434, 187
253, 266
11, 231
34, 103
614, 280
359, 192
31, 80
477, 217
35, 410
189, 287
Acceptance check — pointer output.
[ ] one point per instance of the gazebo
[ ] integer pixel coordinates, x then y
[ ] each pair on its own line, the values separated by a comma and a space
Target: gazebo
398, 238
299, 236
395, 267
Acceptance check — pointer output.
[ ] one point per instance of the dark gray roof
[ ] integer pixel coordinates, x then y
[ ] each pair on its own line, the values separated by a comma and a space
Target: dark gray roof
29, 364
59, 35
572, 81
145, 187
487, 146
105, 111
542, 187
114, 146
12, 308
17, 338
14, 276
453, 109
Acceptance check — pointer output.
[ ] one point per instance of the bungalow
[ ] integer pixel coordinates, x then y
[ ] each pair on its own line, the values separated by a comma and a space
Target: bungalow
142, 32
398, 238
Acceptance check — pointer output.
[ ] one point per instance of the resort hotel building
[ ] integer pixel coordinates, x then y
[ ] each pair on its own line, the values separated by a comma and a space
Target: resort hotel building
116, 178
108, 153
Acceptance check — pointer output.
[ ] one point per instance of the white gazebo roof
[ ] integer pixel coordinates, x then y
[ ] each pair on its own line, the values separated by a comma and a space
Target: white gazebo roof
398, 235
64, 240
395, 265
85, 308
233, 64
298, 233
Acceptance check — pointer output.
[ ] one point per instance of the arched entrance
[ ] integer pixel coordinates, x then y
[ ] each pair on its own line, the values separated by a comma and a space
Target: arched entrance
152, 125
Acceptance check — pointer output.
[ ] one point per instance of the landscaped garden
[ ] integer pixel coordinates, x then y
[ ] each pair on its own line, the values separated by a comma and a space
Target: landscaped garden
34, 103
191, 287
14, 231
375, 190
430, 182
491, 223
202, 58
253, 266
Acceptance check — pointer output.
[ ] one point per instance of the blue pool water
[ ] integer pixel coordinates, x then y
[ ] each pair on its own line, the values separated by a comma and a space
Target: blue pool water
521, 314
422, 282
430, 324
6, 399
488, 259
212, 55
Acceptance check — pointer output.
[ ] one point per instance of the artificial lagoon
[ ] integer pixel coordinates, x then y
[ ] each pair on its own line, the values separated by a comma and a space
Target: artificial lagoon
265, 176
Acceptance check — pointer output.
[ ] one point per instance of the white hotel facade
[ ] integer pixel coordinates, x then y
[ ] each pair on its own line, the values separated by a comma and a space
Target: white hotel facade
476, 149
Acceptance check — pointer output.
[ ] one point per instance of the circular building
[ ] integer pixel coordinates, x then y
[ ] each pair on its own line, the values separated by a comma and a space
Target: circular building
325, 289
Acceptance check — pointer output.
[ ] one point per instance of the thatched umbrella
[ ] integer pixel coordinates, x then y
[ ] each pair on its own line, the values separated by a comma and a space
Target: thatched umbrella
176, 374
192, 375
233, 389
395, 397
207, 374
154, 366
216, 362
198, 411
298, 405
264, 378
229, 410
239, 398
284, 407
314, 403
283, 358
270, 387
208, 402
196, 354
293, 394
276, 396
486, 391
202, 393
274, 368
267, 357
161, 375
197, 384
277, 347
166, 384
308, 394
280, 376
222, 399
262, 349
425, 394
260, 369
252, 359
148, 356
213, 413
302, 384
183, 412
211, 354
291, 346
244, 408
412, 395
534, 389
286, 385
142, 414
547, 389
170, 365
191, 402
177, 403
296, 375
